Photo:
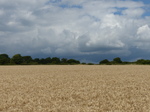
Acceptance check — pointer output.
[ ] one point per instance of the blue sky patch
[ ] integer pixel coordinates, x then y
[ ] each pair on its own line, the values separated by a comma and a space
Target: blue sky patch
68, 28
53, 1
119, 11
70, 6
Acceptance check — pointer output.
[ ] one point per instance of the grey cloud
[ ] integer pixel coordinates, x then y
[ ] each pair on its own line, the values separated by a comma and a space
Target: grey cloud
74, 27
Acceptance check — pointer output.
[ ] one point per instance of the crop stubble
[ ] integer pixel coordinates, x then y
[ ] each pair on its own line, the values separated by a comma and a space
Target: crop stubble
75, 88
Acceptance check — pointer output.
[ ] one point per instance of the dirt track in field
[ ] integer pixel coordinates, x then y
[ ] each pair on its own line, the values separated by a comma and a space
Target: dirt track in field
75, 88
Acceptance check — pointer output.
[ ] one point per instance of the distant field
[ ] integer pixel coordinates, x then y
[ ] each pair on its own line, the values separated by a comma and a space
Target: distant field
75, 88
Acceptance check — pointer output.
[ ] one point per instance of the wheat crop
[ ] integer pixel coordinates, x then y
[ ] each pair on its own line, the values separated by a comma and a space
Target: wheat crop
75, 88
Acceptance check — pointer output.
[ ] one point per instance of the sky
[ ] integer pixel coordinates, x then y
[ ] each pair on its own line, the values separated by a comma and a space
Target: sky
86, 30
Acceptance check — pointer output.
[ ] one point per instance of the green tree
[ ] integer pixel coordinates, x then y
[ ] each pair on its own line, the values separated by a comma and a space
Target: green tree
142, 61
117, 60
36, 60
27, 59
105, 61
48, 60
17, 59
90, 63
64, 61
55, 60
42, 61
73, 61
4, 59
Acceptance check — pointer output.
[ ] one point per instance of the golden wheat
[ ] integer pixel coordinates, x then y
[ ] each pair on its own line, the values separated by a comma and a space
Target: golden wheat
75, 88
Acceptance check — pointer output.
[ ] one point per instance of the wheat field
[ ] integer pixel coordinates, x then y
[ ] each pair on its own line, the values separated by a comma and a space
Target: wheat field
75, 88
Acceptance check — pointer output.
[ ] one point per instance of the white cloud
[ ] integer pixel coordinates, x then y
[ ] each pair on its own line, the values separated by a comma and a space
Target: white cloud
46, 50
143, 37
111, 21
133, 12
72, 27
143, 32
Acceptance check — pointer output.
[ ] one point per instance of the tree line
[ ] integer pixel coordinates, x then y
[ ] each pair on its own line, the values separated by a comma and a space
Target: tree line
18, 59
118, 61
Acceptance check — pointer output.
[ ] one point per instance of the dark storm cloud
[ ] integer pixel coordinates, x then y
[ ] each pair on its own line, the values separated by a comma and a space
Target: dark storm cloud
74, 28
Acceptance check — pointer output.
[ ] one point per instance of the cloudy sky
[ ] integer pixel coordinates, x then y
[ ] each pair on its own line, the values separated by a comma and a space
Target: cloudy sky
87, 30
